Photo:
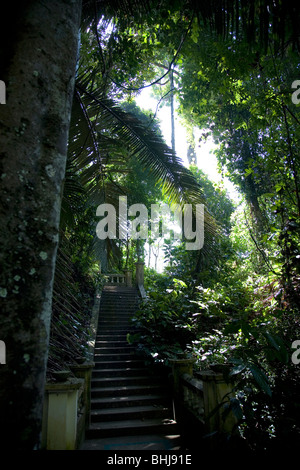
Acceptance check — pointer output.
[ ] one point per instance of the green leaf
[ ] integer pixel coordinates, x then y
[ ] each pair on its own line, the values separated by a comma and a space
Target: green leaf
279, 349
236, 408
248, 171
261, 379
237, 369
272, 341
179, 282
233, 327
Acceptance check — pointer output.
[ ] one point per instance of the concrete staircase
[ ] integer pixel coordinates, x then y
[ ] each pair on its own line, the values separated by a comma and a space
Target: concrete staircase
128, 397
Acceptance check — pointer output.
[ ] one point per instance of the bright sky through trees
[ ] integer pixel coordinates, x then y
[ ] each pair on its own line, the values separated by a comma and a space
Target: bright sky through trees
206, 160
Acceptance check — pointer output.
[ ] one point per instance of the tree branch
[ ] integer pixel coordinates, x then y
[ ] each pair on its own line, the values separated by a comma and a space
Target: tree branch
167, 68
259, 249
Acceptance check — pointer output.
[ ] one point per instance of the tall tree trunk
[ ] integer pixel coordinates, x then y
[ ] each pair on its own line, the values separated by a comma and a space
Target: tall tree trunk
172, 111
38, 66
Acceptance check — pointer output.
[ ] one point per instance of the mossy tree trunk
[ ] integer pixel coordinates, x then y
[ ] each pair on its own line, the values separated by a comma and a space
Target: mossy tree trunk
38, 61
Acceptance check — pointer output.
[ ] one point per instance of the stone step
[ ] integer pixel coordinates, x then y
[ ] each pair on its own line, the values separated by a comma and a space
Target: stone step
119, 372
128, 401
111, 343
101, 392
130, 412
109, 297
124, 381
119, 305
132, 427
123, 303
127, 299
128, 397
116, 315
114, 331
113, 317
118, 288
122, 356
119, 299
122, 307
115, 309
133, 363
114, 324
110, 337
106, 330
114, 349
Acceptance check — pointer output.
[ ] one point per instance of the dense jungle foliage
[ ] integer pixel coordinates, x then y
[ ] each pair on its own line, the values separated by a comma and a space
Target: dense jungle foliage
236, 301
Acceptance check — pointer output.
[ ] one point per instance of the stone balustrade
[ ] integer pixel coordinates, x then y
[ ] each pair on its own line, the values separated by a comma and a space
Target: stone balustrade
66, 414
126, 278
115, 278
193, 396
200, 400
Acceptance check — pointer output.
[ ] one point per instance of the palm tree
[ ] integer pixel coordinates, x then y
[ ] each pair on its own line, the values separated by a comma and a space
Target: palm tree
38, 67
104, 139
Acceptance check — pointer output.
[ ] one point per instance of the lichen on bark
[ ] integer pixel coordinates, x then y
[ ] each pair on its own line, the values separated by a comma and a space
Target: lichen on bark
34, 131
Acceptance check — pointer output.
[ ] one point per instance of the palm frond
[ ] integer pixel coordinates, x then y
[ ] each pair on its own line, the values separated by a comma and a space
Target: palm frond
258, 21
141, 143
104, 141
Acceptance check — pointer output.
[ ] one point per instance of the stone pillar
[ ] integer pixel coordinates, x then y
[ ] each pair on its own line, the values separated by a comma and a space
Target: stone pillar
180, 367
215, 387
128, 277
139, 273
84, 371
60, 414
